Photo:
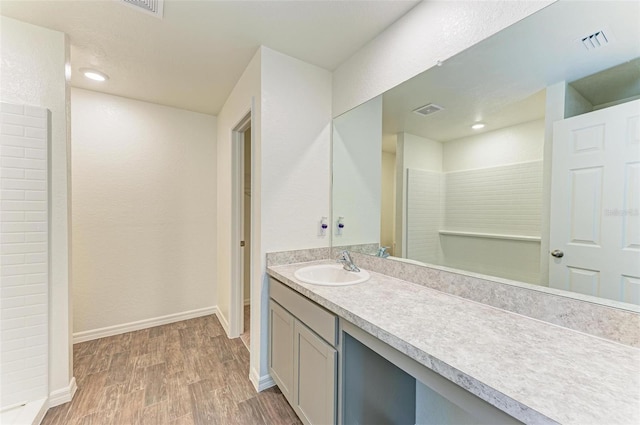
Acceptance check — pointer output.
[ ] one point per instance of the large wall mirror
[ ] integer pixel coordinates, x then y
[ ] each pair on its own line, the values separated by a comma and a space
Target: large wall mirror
518, 158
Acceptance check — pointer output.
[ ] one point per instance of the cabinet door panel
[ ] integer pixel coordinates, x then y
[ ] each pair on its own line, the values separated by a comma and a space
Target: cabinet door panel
281, 327
315, 377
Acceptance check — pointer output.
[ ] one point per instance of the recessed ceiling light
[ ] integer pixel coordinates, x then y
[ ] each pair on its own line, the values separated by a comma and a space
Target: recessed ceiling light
478, 126
94, 75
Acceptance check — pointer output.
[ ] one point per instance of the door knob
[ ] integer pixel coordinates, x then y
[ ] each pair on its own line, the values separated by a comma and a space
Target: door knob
557, 253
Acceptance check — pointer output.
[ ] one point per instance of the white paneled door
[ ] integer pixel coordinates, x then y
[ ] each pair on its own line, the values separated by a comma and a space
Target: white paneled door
595, 204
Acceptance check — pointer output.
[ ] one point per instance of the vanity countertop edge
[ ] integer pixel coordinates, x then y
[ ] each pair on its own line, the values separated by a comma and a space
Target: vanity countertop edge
535, 371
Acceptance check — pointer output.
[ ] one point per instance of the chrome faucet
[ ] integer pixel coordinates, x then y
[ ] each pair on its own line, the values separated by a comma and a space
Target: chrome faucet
382, 252
347, 262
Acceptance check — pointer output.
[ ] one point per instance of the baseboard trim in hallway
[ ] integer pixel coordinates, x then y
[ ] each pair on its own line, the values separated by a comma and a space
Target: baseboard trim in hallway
142, 324
261, 383
63, 395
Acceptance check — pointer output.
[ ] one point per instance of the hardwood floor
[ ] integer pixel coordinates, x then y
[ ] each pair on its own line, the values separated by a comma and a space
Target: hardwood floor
184, 373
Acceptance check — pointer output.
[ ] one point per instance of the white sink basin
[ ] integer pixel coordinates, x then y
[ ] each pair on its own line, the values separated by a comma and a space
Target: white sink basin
330, 275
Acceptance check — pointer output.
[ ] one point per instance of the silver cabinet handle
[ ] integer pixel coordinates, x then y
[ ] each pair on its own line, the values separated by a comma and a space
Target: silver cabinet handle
557, 253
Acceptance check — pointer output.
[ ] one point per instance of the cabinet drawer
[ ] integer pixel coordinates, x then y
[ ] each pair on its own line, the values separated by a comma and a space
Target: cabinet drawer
311, 314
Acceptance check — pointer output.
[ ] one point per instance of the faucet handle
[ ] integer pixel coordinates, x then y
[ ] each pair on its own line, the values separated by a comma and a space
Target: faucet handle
382, 252
344, 256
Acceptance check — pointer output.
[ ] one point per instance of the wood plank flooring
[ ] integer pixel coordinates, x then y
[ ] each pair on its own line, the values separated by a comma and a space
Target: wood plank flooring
246, 335
184, 373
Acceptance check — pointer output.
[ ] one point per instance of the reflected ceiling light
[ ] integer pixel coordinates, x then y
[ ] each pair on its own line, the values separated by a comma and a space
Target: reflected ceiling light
94, 75
478, 126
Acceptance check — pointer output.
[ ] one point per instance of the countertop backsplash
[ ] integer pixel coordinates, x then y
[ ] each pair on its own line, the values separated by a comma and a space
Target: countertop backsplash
614, 324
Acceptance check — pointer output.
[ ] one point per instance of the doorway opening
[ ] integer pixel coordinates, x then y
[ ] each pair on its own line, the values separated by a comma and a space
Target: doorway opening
239, 320
245, 329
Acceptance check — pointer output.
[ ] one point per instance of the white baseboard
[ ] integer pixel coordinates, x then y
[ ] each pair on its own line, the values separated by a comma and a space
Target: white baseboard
30, 413
223, 321
43, 411
142, 324
261, 383
63, 395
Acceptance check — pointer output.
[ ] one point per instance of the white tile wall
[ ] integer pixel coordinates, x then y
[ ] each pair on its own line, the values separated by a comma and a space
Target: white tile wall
503, 200
24, 253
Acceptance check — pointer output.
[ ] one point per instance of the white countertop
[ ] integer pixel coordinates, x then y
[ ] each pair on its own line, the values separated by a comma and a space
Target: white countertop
535, 371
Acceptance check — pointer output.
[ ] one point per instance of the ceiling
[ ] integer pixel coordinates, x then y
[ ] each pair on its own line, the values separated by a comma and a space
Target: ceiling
501, 81
192, 58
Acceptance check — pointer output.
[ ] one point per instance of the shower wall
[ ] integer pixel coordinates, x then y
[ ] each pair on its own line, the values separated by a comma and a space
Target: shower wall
482, 212
24, 283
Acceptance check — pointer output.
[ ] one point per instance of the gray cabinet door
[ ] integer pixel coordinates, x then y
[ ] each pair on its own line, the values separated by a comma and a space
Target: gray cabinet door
281, 327
315, 371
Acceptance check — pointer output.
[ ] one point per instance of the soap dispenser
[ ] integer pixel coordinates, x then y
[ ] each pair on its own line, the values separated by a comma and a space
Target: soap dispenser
324, 225
340, 225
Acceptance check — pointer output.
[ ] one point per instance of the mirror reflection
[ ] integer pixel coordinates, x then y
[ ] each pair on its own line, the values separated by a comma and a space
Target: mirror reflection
518, 158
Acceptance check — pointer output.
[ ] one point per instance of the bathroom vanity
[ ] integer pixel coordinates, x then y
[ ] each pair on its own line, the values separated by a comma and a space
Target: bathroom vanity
392, 351
302, 353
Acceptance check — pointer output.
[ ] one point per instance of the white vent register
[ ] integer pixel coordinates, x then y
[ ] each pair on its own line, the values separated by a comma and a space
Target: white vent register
154, 7
595, 40
429, 109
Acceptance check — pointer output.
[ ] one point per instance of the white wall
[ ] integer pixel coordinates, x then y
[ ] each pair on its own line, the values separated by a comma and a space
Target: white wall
295, 170
290, 103
144, 208
34, 60
509, 145
296, 139
244, 98
417, 153
357, 174
432, 31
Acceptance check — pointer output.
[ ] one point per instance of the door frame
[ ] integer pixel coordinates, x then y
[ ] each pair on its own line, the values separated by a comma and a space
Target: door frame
236, 302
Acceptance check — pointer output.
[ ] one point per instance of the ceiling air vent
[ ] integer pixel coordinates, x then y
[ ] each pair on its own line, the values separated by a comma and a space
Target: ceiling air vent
154, 7
595, 40
429, 109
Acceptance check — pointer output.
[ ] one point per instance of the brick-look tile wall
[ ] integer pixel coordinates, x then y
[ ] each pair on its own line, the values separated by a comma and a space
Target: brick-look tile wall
24, 253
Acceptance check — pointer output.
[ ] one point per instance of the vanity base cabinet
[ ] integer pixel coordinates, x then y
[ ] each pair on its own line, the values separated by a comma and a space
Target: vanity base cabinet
315, 365
281, 337
302, 362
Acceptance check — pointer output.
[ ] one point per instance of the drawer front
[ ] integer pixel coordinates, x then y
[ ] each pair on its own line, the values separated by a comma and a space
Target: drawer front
311, 314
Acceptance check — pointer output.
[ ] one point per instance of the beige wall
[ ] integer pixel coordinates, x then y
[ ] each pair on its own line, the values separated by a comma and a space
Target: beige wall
34, 60
144, 208
388, 201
